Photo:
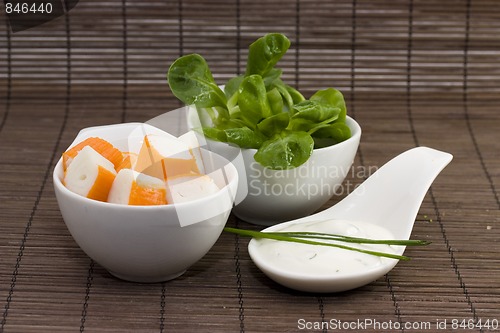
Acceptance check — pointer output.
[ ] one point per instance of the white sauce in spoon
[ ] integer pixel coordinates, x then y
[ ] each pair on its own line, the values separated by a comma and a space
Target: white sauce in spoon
318, 260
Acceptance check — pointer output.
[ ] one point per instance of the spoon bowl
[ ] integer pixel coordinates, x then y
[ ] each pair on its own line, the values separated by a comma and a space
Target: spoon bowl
389, 199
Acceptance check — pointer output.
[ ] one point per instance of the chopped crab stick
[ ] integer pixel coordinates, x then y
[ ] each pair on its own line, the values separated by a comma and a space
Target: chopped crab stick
129, 160
90, 174
195, 142
133, 188
164, 157
187, 188
102, 146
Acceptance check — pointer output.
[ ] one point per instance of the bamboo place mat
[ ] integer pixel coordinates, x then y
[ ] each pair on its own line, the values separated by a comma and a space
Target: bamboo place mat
414, 73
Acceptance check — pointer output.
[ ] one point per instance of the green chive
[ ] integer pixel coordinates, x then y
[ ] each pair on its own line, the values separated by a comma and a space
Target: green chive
304, 238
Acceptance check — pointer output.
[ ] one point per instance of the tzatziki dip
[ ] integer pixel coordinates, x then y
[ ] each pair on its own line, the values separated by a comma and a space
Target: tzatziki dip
319, 260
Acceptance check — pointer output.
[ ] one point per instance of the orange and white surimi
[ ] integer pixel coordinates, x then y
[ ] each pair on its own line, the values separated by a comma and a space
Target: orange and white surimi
133, 188
182, 189
90, 174
157, 171
164, 157
100, 145
129, 161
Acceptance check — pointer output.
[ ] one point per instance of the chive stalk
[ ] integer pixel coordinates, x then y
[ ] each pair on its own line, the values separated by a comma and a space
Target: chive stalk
308, 238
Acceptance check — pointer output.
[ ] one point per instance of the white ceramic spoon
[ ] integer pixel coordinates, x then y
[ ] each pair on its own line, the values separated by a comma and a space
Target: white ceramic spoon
389, 198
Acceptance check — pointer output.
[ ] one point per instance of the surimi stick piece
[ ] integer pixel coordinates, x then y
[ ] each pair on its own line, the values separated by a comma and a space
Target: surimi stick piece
164, 157
90, 174
133, 188
129, 160
195, 142
187, 188
102, 146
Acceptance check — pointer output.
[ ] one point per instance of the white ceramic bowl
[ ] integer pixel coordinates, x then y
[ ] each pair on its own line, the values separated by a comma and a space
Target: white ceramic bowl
267, 197
147, 243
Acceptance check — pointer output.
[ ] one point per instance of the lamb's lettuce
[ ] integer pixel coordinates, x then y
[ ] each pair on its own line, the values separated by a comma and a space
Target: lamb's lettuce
264, 54
285, 148
252, 100
258, 110
194, 83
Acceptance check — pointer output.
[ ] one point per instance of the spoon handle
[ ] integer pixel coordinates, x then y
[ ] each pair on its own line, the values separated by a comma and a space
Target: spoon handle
392, 196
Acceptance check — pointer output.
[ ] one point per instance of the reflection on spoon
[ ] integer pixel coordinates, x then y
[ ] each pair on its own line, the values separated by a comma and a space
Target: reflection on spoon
383, 207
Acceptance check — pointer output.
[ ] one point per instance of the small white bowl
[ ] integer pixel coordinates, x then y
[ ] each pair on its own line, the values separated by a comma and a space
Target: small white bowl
266, 197
147, 243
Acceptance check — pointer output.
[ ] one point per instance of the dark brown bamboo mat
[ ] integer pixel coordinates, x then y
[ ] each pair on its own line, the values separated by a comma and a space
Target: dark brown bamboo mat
414, 73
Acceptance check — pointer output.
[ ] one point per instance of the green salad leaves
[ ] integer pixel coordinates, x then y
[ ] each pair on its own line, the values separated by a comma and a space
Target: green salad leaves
258, 110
